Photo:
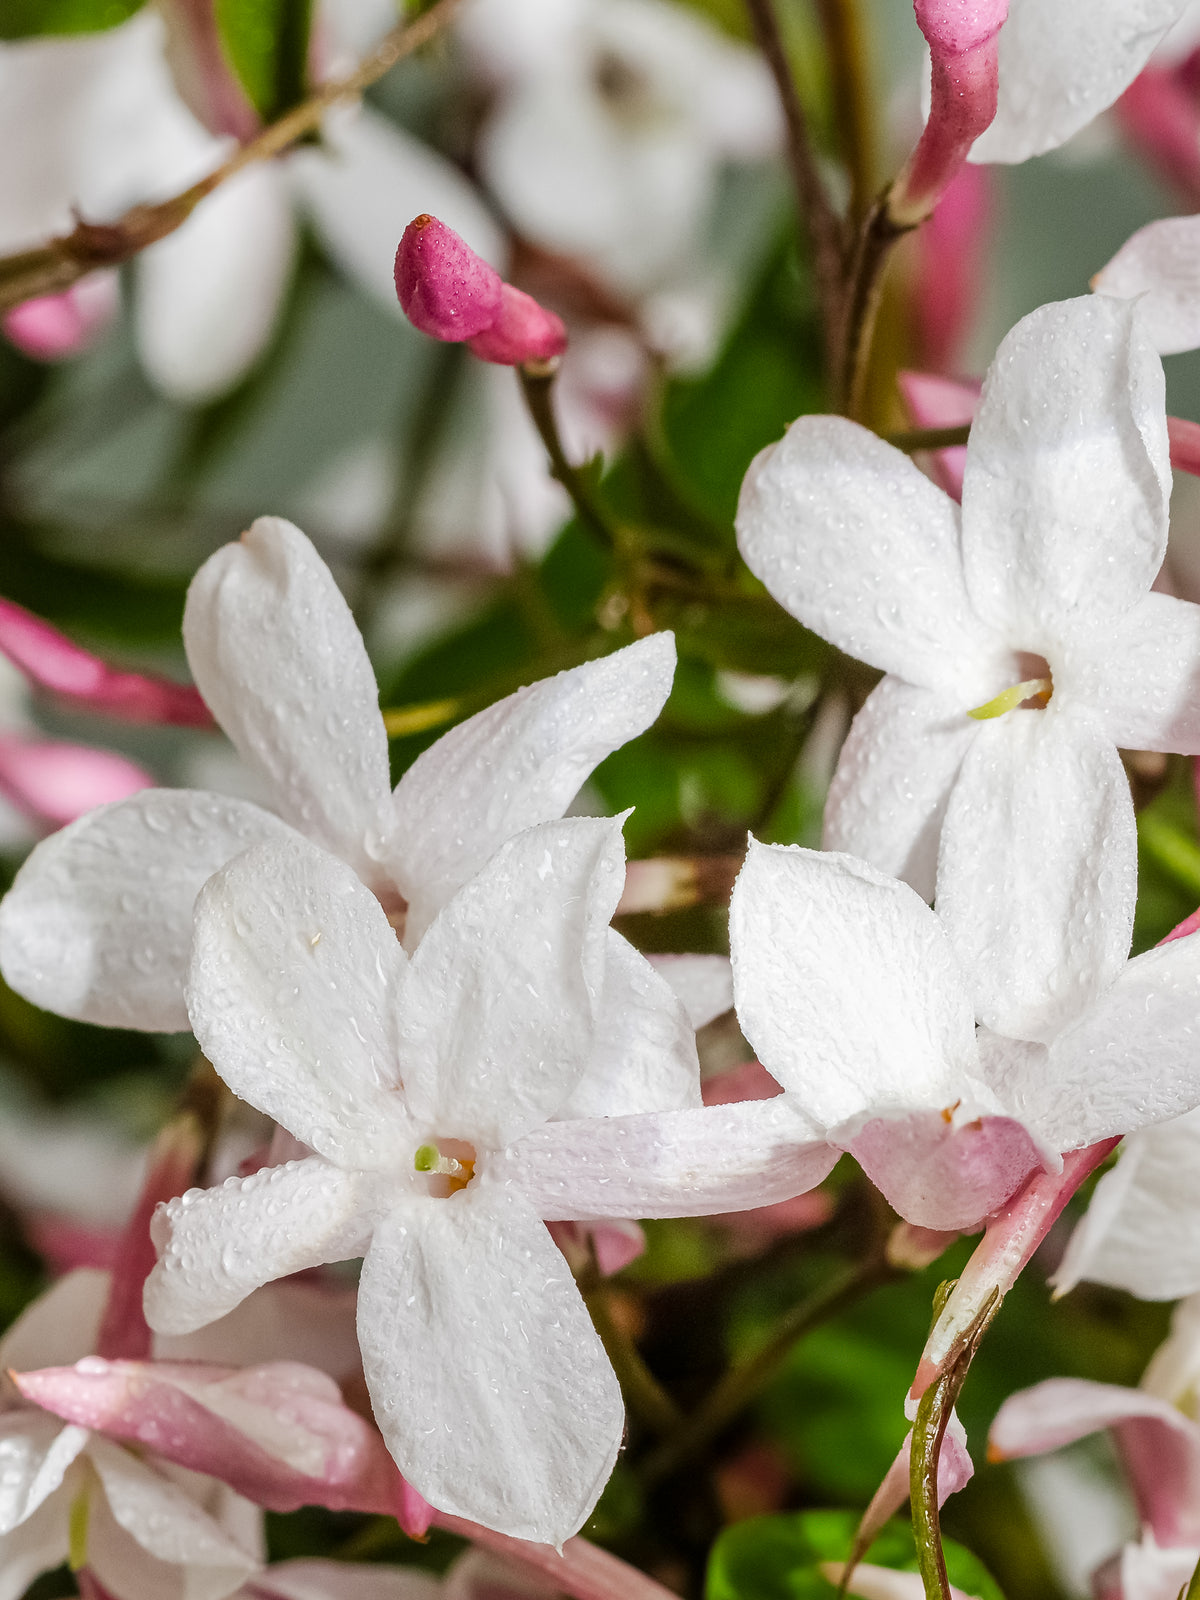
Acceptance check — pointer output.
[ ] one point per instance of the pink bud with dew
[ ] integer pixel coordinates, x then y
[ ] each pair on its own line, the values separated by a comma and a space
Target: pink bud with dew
448, 291
52, 327
963, 39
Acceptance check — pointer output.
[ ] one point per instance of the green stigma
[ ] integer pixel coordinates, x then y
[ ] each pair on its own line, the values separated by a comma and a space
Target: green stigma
427, 1158
77, 1531
1008, 699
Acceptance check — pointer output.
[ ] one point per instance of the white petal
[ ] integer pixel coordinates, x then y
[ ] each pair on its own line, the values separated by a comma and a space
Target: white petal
858, 545
1038, 868
277, 656
893, 779
366, 183
1062, 64
643, 1056
811, 934
1068, 477
1140, 1231
39, 1545
166, 1524
518, 763
337, 1580
702, 984
291, 992
694, 1163
60, 1326
1161, 263
35, 1451
476, 1346
217, 1245
497, 1009
1144, 687
209, 294
98, 924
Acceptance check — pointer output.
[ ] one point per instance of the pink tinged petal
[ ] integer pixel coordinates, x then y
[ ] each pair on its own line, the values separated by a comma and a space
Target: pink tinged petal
523, 331
37, 1545
1139, 1232
52, 661
497, 1011
203, 75
1060, 67
951, 271
1147, 1572
479, 1575
1160, 117
445, 288
57, 783
516, 764
291, 993
702, 984
955, 1469
934, 402
711, 1160
337, 1580
475, 1346
217, 1245
1160, 1447
643, 1055
163, 1523
280, 1434
1067, 479
580, 1569
209, 294
1144, 688
61, 1325
893, 779
98, 924
810, 933
964, 52
276, 654
942, 1172
1037, 873
1161, 264
55, 326
854, 540
35, 1453
295, 1320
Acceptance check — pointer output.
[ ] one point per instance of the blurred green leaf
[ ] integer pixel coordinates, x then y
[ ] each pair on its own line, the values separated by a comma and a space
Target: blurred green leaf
1168, 860
266, 42
24, 19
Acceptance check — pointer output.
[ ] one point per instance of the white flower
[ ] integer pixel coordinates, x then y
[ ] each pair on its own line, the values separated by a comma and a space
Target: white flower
148, 1529
1160, 263
95, 121
1024, 818
853, 998
425, 1085
98, 924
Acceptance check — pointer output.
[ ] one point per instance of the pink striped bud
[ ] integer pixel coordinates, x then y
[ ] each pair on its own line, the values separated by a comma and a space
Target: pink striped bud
454, 295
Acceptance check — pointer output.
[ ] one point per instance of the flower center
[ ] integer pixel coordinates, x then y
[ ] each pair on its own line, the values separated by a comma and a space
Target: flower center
447, 1166
1033, 692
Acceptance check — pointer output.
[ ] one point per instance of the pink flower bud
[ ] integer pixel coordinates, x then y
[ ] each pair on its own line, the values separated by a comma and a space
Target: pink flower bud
445, 288
951, 262
55, 326
1160, 114
523, 331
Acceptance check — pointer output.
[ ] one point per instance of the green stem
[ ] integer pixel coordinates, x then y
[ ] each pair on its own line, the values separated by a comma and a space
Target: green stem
842, 24
877, 239
742, 1382
537, 384
644, 1395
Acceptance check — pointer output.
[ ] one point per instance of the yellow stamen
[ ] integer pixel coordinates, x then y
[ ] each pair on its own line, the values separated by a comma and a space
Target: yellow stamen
1033, 688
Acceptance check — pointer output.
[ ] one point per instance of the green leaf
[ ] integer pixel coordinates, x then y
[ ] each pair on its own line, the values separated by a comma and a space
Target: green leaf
779, 1557
25, 19
266, 43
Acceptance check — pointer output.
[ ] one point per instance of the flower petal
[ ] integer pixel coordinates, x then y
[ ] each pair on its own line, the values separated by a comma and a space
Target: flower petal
643, 1056
859, 546
702, 984
1038, 868
475, 1347
38, 1545
98, 923
277, 656
337, 1580
1160, 263
291, 992
497, 1008
61, 1325
893, 779
810, 934
209, 293
35, 1452
516, 764
1144, 688
1139, 1232
1061, 66
1068, 477
217, 1245
706, 1161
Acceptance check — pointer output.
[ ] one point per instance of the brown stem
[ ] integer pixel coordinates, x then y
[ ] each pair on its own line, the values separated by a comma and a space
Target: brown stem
537, 384
912, 439
877, 239
62, 261
842, 24
644, 1395
816, 215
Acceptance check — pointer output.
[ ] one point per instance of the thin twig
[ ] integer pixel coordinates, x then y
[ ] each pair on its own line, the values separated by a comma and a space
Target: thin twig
537, 385
816, 214
62, 261
913, 439
842, 24
877, 239
644, 1395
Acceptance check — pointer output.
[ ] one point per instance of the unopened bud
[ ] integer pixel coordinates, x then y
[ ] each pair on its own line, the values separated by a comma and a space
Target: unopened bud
454, 295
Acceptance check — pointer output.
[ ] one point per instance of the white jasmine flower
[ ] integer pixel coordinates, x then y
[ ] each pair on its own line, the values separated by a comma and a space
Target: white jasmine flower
1021, 643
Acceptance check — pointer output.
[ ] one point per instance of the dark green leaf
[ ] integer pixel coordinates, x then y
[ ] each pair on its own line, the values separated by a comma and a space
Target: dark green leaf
266, 42
25, 19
